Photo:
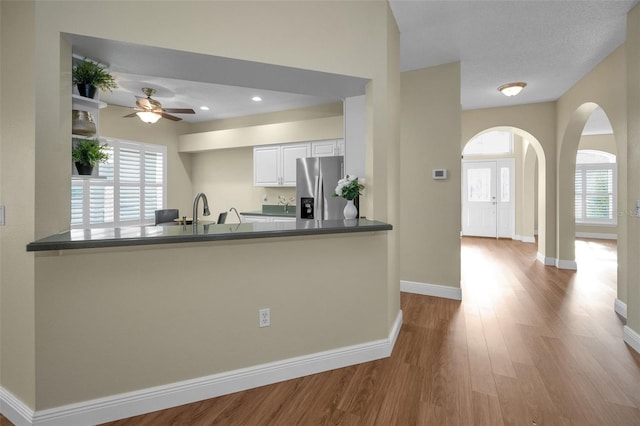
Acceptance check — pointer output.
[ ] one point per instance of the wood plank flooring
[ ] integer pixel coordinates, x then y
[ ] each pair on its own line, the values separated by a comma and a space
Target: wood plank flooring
529, 345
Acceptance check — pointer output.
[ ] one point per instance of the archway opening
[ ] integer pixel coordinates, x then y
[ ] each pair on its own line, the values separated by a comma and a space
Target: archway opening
527, 189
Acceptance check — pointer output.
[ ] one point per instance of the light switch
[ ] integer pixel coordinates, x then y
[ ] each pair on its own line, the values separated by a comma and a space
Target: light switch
1, 215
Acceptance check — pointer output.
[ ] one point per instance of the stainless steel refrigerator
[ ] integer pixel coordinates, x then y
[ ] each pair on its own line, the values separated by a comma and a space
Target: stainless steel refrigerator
316, 179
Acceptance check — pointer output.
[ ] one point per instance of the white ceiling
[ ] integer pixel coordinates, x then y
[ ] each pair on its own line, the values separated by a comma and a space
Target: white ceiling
548, 44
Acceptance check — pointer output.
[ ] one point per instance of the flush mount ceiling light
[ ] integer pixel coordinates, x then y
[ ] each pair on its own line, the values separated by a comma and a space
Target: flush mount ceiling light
204, 108
512, 89
148, 117
256, 99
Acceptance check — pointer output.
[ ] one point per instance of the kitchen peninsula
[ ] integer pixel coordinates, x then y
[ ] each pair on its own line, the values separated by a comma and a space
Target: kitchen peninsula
145, 235
172, 312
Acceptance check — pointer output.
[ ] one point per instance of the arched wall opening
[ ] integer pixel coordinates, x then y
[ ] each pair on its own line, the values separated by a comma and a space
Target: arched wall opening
532, 172
566, 172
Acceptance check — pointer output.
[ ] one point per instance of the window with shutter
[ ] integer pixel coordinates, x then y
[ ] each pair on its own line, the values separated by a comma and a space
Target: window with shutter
130, 187
595, 188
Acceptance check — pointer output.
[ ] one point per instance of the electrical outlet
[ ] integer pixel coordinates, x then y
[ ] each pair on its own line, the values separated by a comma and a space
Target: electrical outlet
264, 317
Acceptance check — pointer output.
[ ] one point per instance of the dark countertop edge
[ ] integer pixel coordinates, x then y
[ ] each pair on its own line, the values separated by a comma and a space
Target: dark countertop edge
128, 242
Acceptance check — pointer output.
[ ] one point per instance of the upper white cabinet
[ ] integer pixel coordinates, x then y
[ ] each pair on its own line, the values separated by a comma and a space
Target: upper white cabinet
328, 148
275, 165
266, 164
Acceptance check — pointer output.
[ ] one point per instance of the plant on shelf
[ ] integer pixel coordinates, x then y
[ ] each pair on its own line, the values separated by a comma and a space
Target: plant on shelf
89, 76
87, 153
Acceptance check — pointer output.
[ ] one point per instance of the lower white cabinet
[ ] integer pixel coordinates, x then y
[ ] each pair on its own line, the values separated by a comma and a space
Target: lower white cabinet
247, 218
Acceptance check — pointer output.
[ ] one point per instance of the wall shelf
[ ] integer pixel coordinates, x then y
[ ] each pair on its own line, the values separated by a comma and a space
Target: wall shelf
87, 102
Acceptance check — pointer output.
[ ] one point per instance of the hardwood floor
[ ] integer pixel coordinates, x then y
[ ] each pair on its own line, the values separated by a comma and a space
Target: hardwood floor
529, 345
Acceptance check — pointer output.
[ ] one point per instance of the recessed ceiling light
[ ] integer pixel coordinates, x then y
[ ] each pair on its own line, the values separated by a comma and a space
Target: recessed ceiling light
204, 108
512, 89
256, 99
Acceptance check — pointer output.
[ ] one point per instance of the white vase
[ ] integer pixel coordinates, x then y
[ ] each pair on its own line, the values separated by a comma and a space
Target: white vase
350, 211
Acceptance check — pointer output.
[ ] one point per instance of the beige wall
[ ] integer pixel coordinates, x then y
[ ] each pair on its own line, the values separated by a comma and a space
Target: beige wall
362, 41
104, 334
17, 173
632, 256
226, 176
606, 143
430, 209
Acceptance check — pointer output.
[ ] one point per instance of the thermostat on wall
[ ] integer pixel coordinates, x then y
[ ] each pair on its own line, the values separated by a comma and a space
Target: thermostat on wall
439, 173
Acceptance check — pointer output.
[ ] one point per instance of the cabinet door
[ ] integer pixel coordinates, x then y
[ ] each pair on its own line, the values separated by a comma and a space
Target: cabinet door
290, 153
323, 148
266, 165
255, 219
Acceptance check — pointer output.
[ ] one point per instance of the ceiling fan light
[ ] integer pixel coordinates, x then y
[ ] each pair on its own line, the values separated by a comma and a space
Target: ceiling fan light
512, 89
148, 116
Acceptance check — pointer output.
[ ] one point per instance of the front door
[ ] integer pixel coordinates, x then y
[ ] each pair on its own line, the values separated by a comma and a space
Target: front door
488, 207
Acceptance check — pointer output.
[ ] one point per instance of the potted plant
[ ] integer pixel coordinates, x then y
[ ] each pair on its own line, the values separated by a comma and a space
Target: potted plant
349, 188
89, 76
86, 153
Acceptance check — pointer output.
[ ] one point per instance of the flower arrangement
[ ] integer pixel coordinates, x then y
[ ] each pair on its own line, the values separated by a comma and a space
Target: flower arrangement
348, 188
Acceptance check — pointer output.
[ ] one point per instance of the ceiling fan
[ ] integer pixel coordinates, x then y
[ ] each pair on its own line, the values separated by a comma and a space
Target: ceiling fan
149, 110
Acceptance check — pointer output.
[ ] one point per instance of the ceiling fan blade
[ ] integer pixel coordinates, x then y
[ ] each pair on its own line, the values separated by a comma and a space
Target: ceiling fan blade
179, 110
169, 116
133, 114
144, 103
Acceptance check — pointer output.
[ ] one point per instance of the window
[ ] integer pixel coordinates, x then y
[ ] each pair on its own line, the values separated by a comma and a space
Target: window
595, 188
130, 187
490, 143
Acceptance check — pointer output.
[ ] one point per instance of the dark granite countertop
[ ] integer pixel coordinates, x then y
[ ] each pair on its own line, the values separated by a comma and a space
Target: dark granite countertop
145, 235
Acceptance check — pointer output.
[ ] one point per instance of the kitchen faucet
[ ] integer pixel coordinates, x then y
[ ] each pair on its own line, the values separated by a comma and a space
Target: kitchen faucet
195, 207
234, 209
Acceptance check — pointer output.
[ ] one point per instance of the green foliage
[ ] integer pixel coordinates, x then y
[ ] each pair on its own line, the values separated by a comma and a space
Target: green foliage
87, 72
348, 188
89, 151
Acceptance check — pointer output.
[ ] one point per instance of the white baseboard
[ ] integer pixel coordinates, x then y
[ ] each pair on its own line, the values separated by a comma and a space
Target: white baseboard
524, 239
631, 338
14, 409
566, 264
620, 307
172, 395
435, 290
596, 236
547, 261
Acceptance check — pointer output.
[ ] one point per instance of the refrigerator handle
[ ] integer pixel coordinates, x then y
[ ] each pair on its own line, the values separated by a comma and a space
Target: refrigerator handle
319, 199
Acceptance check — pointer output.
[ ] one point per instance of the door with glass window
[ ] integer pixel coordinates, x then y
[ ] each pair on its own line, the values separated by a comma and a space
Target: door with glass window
488, 207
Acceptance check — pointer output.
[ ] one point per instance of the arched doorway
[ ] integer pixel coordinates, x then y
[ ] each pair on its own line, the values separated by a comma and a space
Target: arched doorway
528, 186
580, 136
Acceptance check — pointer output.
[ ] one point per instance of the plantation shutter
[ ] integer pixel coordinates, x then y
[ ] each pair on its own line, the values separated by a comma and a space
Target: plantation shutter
130, 187
595, 193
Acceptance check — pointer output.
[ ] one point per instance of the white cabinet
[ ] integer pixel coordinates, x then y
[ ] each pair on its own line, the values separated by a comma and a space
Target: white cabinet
266, 165
275, 165
266, 219
328, 148
255, 219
